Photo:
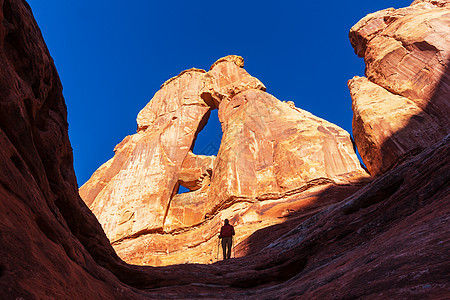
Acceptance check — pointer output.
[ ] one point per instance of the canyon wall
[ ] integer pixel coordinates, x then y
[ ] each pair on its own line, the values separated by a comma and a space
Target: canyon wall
51, 244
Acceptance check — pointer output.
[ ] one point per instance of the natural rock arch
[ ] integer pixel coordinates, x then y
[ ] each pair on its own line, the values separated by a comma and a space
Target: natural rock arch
270, 150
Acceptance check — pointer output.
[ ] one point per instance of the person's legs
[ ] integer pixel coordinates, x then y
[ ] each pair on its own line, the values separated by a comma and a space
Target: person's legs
230, 241
224, 247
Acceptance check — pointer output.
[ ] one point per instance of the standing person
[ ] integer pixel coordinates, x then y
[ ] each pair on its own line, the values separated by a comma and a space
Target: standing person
226, 234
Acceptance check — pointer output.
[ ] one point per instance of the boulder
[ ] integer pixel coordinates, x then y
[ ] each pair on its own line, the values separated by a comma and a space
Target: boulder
379, 119
196, 171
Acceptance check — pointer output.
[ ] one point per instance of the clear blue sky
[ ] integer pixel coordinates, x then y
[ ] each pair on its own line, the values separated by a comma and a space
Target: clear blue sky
112, 56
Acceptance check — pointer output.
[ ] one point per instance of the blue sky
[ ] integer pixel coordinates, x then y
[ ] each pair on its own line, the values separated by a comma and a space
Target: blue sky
112, 56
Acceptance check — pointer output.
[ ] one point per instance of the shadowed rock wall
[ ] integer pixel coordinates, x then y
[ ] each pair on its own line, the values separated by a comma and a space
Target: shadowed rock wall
50, 242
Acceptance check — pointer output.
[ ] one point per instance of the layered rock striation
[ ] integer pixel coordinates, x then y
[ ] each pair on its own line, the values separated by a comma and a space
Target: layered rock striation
271, 148
270, 151
402, 105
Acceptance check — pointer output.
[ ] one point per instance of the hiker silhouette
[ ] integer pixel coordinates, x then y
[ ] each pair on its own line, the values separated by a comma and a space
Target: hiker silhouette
226, 234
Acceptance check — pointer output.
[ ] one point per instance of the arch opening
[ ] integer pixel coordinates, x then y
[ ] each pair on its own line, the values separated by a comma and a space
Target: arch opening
204, 148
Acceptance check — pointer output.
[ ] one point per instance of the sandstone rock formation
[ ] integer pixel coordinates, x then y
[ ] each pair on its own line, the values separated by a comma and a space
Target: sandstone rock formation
133, 191
403, 104
270, 148
270, 151
389, 239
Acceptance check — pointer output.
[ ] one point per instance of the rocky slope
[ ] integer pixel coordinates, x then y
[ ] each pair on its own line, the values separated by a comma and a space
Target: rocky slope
389, 239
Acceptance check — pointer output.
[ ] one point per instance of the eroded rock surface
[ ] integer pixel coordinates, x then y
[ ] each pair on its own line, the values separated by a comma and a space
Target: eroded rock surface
133, 191
403, 105
270, 148
270, 151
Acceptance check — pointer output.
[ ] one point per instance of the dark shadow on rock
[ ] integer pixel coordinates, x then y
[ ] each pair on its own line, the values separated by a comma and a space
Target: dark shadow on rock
373, 242
265, 236
438, 107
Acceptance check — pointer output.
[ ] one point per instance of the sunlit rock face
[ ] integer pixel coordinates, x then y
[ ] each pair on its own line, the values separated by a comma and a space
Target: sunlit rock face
403, 105
271, 151
271, 148
138, 183
134, 190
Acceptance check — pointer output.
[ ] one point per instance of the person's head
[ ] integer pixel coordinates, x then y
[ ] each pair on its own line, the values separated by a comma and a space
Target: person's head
227, 222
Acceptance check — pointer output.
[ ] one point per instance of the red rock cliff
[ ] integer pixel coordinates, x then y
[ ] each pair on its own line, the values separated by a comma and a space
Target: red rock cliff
50, 242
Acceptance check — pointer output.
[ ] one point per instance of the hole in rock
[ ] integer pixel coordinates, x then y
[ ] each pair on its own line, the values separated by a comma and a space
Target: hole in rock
182, 190
207, 141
